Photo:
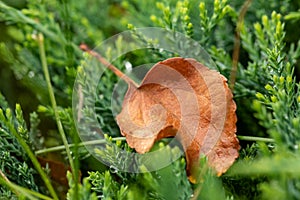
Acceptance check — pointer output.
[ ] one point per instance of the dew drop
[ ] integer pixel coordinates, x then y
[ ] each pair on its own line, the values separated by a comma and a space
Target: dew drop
128, 66
157, 175
113, 169
31, 74
296, 147
271, 146
95, 133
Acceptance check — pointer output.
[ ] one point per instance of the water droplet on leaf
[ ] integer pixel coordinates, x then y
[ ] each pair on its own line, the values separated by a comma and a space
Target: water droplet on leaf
113, 169
31, 74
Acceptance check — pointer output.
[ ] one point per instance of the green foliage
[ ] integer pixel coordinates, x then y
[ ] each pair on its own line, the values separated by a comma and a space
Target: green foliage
167, 183
13, 162
266, 93
106, 187
83, 190
276, 107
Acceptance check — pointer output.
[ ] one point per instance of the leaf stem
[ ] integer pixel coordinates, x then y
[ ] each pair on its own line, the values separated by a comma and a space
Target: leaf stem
62, 147
40, 39
237, 43
256, 139
110, 66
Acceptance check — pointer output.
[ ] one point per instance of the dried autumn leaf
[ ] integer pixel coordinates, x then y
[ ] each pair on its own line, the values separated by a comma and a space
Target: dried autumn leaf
181, 97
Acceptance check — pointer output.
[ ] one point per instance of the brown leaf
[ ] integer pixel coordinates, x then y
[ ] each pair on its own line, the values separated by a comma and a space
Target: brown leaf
183, 98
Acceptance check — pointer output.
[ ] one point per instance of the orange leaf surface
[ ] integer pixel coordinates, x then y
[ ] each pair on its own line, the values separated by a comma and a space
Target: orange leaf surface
183, 98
